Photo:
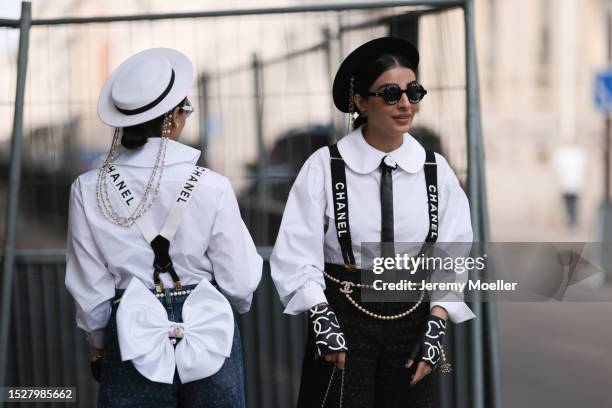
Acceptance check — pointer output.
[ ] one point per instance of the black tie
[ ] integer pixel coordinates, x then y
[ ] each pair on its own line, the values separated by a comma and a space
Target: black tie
386, 199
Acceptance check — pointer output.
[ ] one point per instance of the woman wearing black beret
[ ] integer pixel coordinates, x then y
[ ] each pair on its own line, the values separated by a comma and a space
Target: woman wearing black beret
369, 354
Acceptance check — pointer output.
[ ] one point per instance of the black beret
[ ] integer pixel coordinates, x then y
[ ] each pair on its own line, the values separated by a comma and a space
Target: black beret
368, 52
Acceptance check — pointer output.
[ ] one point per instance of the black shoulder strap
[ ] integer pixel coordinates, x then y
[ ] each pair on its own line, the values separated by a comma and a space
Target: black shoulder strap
431, 180
341, 210
340, 196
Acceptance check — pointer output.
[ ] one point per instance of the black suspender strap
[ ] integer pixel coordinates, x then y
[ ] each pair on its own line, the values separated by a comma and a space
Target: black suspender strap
431, 180
341, 210
163, 263
340, 196
160, 242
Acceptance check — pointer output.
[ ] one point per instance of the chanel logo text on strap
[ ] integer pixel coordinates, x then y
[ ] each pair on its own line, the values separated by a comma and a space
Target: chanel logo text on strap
341, 215
124, 192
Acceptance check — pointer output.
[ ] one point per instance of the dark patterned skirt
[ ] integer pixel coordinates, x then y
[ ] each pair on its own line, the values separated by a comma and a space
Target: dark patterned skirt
375, 375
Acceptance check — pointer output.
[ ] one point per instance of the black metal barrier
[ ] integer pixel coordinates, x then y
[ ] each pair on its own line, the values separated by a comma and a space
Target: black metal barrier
47, 349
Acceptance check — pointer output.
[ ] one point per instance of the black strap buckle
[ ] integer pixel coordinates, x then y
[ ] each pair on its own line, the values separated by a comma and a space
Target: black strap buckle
163, 263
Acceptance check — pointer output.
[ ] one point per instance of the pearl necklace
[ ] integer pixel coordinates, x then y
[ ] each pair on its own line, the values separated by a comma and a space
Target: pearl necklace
102, 196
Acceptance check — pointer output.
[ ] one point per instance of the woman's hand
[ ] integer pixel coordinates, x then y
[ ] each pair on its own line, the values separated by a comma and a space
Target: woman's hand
329, 338
428, 349
422, 370
338, 358
95, 355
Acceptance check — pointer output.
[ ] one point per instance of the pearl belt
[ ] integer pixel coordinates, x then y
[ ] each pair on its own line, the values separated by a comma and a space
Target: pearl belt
163, 294
347, 288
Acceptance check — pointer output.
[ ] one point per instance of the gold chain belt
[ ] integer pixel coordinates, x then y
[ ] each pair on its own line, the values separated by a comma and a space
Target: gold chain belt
346, 287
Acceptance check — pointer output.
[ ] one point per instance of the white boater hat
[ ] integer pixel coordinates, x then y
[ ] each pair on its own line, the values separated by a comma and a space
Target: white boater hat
145, 86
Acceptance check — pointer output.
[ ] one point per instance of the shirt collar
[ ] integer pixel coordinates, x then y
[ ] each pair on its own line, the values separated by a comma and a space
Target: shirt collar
145, 157
363, 158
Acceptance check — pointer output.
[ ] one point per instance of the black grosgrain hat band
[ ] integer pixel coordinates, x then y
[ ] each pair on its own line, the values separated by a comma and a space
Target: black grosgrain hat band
152, 104
145, 86
368, 52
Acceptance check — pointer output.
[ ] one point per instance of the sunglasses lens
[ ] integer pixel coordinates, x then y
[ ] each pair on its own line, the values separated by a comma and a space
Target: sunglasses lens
187, 108
414, 97
392, 94
415, 92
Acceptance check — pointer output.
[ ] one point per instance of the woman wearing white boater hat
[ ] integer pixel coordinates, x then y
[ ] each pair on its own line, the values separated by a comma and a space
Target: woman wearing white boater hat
157, 252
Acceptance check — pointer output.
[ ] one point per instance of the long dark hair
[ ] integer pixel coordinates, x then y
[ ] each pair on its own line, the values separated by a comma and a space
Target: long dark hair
369, 72
135, 136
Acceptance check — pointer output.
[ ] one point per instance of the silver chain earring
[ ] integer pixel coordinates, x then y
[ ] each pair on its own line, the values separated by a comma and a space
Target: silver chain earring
351, 103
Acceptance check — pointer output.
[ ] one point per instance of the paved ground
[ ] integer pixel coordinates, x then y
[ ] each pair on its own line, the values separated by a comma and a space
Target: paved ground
557, 354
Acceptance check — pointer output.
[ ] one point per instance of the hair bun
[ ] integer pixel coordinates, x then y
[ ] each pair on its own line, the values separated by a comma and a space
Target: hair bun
133, 138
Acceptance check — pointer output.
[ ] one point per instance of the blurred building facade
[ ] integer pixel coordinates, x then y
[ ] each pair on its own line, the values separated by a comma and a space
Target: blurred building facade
536, 59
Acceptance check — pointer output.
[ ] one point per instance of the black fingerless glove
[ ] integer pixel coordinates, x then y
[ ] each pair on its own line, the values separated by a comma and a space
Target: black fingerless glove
429, 346
96, 368
328, 337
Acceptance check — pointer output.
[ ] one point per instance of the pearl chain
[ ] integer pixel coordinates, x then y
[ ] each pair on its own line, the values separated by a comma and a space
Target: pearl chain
351, 103
446, 366
102, 197
161, 295
346, 289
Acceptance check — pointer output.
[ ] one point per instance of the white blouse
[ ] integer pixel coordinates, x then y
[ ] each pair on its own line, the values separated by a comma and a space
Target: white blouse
212, 241
304, 245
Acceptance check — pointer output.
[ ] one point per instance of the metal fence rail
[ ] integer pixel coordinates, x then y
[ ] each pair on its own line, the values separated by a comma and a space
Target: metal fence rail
37, 323
47, 349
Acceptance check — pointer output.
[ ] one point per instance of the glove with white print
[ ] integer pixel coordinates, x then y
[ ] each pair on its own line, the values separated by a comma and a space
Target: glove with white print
328, 336
429, 347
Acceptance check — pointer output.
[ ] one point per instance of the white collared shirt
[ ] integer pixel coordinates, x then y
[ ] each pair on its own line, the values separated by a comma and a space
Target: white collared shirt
304, 244
212, 241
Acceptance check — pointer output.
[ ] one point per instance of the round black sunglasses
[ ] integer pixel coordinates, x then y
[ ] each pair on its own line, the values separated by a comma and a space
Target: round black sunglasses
392, 93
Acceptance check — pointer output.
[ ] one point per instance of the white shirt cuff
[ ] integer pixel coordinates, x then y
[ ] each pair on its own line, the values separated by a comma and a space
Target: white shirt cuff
96, 338
311, 294
242, 306
458, 311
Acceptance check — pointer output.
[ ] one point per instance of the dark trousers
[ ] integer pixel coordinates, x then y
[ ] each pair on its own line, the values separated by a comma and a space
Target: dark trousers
375, 375
123, 386
570, 200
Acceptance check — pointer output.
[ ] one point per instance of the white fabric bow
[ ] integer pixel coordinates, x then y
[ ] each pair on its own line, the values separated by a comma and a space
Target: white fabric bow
144, 333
